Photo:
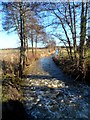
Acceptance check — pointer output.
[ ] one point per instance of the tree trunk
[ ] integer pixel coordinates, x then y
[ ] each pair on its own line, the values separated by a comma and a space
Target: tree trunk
36, 45
72, 26
74, 35
21, 47
25, 42
82, 36
32, 42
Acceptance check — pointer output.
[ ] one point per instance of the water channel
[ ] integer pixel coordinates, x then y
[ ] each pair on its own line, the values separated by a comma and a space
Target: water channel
52, 95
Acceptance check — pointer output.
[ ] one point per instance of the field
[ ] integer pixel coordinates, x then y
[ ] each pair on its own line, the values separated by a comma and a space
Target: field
11, 56
14, 53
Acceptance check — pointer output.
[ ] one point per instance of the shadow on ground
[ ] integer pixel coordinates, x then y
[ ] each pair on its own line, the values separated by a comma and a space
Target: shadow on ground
13, 110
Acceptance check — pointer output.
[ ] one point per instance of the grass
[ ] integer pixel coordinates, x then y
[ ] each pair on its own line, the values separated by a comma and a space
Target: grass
72, 67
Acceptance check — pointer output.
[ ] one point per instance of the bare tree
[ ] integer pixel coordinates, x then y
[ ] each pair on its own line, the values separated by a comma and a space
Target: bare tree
13, 21
18, 17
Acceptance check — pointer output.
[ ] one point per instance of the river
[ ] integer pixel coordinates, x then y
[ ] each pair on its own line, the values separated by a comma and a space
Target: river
52, 95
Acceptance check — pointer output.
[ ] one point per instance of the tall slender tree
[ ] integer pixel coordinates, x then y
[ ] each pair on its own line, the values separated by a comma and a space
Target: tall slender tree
84, 9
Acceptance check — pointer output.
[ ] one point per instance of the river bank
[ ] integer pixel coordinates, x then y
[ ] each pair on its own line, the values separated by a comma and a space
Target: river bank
72, 69
12, 94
